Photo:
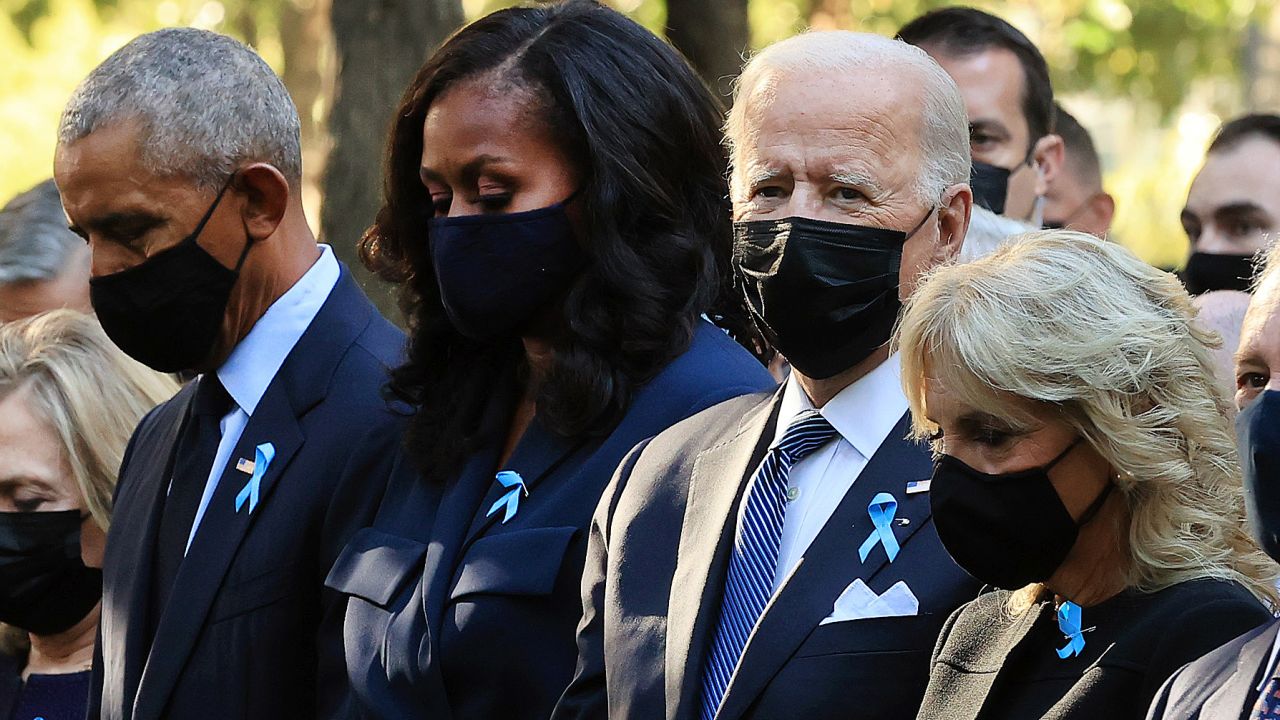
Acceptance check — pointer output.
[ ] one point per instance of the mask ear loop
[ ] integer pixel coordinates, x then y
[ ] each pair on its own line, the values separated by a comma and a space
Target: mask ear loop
1095, 506
921, 224
217, 200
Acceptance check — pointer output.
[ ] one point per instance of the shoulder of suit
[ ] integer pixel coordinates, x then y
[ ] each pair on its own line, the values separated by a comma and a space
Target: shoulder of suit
1193, 603
714, 365
710, 427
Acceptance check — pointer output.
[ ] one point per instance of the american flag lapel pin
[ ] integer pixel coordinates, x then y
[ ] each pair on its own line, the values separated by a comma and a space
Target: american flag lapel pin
918, 486
245, 465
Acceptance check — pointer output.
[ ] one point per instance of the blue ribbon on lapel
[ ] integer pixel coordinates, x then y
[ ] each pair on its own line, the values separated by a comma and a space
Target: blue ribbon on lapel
262, 456
1069, 616
511, 480
881, 510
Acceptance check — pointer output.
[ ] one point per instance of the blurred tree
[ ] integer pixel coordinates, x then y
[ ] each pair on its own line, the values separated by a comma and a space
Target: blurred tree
713, 35
380, 45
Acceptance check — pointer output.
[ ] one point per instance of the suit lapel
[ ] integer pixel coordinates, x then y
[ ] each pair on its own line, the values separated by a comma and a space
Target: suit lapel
808, 595
1238, 694
462, 495
717, 480
539, 453
131, 550
220, 535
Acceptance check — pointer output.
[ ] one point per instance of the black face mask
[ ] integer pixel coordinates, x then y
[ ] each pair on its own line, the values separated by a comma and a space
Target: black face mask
1258, 435
166, 311
1006, 530
824, 294
990, 184
495, 272
45, 588
1212, 271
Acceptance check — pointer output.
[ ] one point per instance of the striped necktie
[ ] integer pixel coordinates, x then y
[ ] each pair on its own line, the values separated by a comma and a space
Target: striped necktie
754, 561
1268, 705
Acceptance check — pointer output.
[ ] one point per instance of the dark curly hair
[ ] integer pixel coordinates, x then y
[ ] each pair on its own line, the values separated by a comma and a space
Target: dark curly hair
643, 131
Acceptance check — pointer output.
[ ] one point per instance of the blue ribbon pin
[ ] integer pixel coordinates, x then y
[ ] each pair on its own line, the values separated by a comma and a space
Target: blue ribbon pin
511, 480
881, 510
262, 456
1069, 616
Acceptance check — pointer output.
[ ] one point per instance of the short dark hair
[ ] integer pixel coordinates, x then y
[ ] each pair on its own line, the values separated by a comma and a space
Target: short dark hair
1235, 131
966, 31
1082, 156
644, 131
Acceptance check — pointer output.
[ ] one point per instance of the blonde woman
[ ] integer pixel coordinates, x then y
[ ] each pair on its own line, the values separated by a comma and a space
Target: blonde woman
68, 403
1086, 467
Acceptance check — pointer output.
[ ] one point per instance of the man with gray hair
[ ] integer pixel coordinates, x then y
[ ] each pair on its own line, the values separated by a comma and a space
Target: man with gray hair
773, 556
43, 266
178, 161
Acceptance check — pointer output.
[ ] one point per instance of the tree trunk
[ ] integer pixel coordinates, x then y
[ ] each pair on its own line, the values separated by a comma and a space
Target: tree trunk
380, 44
713, 35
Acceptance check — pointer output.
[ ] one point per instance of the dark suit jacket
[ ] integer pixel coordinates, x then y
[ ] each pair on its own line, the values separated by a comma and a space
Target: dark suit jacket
1221, 685
655, 578
467, 615
10, 684
993, 666
249, 630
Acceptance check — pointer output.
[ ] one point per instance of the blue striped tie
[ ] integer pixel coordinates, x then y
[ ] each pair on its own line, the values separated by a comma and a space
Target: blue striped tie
755, 553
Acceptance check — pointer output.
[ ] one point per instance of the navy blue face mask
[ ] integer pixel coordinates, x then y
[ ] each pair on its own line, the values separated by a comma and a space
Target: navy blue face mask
496, 272
1258, 436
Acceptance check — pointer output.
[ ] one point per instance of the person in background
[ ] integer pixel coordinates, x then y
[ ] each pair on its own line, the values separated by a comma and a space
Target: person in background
1241, 679
179, 160
1076, 199
43, 265
773, 556
1233, 206
562, 137
987, 233
1005, 84
1223, 311
68, 399
1085, 468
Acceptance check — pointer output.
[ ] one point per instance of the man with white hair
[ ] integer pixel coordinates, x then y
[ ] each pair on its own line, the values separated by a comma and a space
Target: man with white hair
178, 161
773, 556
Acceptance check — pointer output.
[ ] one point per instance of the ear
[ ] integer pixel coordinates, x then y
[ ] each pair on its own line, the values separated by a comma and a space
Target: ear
266, 193
1104, 208
1050, 155
953, 221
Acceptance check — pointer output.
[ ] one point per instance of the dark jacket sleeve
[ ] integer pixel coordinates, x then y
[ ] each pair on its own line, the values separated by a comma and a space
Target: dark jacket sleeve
1161, 703
587, 695
355, 500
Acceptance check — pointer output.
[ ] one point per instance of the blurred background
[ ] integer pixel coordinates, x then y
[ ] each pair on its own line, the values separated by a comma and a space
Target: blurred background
1151, 79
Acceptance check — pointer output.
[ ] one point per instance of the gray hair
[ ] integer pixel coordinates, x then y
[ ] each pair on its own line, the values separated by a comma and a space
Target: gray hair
207, 104
944, 140
35, 244
988, 232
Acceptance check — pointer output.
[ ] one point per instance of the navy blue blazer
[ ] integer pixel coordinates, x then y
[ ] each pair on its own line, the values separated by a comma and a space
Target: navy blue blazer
454, 612
250, 631
1222, 685
655, 575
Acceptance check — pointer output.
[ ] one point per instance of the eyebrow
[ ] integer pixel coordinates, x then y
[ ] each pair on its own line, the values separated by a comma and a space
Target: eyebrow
117, 224
849, 177
469, 172
989, 124
1243, 207
13, 482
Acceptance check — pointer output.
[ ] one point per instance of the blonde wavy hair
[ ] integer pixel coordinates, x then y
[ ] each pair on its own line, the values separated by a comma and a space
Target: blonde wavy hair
1081, 326
89, 393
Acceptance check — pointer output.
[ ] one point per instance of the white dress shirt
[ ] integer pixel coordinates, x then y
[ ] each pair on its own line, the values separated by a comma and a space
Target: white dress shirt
254, 362
863, 415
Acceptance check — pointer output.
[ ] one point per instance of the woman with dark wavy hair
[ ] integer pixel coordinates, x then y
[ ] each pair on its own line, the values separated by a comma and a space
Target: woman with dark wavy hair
556, 210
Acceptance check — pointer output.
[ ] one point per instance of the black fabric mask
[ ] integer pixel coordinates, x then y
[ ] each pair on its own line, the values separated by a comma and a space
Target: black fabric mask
990, 184
1006, 530
166, 311
45, 588
1258, 435
824, 294
1213, 271
495, 272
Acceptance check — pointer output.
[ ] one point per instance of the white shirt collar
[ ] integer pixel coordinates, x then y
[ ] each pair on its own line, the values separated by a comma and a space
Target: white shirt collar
257, 358
864, 413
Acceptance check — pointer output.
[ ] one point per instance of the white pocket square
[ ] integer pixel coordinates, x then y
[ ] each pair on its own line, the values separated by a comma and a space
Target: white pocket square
859, 602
